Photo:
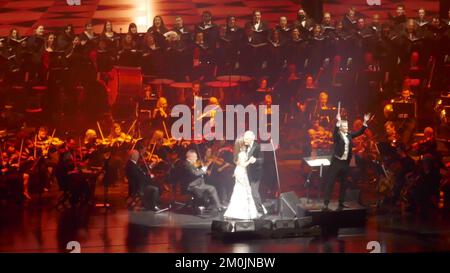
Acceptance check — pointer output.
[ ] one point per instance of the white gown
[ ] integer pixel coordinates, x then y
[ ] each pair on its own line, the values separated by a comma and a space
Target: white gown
241, 206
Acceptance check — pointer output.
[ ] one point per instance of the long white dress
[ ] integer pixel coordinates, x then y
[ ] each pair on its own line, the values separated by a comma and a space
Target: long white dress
241, 206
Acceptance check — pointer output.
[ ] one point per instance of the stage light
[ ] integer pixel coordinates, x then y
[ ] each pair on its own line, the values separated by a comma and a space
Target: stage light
144, 13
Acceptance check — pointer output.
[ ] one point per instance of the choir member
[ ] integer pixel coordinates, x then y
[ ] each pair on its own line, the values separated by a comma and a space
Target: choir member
128, 54
111, 37
304, 23
259, 27
138, 38
349, 20
297, 50
284, 29
182, 31
152, 62
209, 29
158, 29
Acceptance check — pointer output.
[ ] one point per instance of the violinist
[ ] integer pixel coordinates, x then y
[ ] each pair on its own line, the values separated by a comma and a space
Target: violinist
158, 148
428, 145
219, 159
320, 138
194, 180
41, 142
392, 137
15, 166
141, 182
93, 148
117, 137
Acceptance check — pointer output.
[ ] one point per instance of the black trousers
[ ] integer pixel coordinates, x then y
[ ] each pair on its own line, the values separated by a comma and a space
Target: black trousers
254, 185
201, 189
338, 170
150, 196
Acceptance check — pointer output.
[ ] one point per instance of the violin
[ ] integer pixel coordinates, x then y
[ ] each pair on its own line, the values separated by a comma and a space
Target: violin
216, 160
169, 142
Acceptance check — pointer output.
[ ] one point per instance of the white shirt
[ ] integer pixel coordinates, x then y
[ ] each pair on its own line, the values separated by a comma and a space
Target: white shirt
257, 25
347, 142
346, 146
249, 148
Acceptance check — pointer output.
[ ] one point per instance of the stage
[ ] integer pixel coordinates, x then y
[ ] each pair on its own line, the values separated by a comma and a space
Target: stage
44, 228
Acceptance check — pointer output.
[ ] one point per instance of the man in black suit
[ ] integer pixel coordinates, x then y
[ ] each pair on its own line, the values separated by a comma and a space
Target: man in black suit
140, 183
209, 29
259, 27
340, 160
194, 181
254, 169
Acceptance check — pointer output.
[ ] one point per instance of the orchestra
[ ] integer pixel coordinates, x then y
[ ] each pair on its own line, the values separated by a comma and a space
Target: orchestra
286, 64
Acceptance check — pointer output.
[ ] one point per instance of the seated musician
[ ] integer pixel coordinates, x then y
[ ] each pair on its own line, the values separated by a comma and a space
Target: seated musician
364, 152
92, 149
219, 159
16, 167
392, 137
73, 178
118, 137
405, 97
41, 141
213, 108
194, 181
161, 114
158, 147
145, 108
320, 138
323, 110
141, 183
428, 145
43, 153
196, 94
364, 144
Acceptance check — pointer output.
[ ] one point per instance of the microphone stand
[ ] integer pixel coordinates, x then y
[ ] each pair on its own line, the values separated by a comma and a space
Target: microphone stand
278, 177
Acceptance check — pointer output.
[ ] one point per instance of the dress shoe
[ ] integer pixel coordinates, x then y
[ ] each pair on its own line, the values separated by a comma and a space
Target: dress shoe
155, 208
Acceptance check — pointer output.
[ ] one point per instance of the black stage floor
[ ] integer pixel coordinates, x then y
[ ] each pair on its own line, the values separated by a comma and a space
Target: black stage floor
40, 227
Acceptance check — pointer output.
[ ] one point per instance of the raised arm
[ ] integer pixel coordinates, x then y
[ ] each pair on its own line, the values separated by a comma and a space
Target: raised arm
361, 131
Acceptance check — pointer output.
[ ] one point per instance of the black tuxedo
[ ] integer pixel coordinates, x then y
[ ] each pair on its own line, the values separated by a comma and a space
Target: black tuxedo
338, 167
254, 172
140, 183
194, 182
339, 144
261, 33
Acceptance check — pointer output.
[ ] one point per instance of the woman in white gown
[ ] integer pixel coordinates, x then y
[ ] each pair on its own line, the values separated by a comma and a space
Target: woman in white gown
241, 206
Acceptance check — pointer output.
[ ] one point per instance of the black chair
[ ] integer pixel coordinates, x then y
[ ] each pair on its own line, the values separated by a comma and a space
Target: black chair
134, 198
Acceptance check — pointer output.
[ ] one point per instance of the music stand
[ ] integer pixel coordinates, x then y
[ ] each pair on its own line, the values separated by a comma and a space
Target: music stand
313, 162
